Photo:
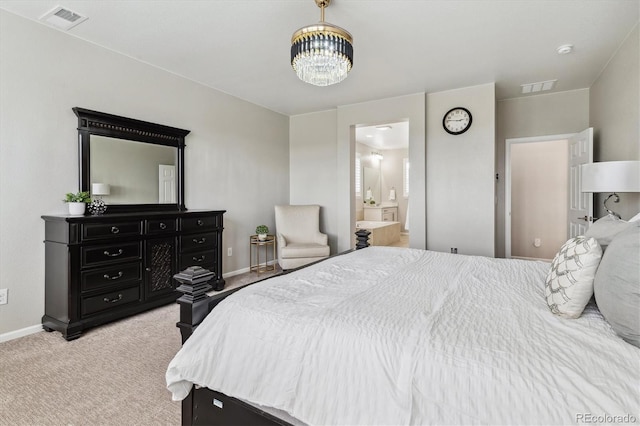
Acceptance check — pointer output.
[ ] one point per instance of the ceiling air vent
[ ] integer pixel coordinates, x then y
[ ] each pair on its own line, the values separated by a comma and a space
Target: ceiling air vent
62, 18
541, 86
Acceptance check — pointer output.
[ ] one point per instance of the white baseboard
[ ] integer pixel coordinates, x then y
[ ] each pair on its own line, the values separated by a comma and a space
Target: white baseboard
243, 270
20, 333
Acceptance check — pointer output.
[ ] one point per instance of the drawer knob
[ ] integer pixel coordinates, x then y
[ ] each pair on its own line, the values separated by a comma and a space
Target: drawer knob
200, 222
114, 300
107, 253
115, 277
200, 241
115, 230
163, 225
198, 259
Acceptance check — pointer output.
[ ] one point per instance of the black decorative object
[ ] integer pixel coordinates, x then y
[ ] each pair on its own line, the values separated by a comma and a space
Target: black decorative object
194, 306
362, 235
97, 206
94, 123
101, 268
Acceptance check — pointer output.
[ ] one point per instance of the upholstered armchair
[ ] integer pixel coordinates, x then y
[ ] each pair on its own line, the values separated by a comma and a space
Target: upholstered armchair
298, 235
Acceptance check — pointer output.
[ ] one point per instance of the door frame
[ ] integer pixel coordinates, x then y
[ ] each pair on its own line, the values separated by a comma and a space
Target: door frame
507, 186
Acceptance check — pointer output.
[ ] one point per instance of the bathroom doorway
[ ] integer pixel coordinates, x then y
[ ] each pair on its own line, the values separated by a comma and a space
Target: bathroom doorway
381, 182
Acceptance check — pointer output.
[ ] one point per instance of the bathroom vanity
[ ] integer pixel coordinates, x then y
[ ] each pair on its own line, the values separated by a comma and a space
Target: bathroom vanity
381, 213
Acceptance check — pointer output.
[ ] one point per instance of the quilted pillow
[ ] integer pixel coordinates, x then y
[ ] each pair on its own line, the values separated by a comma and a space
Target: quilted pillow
606, 228
617, 285
569, 283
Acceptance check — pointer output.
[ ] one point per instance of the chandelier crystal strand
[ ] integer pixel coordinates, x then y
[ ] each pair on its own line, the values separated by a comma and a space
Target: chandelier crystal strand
322, 54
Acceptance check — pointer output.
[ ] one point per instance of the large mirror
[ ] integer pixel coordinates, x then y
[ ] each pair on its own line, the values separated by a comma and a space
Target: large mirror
372, 185
131, 165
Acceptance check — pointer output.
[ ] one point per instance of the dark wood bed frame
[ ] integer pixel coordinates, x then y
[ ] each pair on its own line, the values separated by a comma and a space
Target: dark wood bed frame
204, 406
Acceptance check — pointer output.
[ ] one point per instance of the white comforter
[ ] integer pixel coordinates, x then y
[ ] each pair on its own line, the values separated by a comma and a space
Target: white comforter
391, 336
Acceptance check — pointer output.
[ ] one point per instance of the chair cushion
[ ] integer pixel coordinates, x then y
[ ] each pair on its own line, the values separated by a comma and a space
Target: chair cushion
295, 250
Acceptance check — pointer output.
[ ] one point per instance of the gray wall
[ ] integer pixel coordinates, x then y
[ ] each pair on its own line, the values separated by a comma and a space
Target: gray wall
541, 115
614, 113
460, 173
312, 166
237, 155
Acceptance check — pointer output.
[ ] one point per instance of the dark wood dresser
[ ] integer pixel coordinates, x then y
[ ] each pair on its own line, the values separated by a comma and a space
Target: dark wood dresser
105, 267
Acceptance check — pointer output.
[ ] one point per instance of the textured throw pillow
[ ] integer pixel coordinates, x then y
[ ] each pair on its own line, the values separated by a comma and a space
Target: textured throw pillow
569, 283
606, 228
617, 285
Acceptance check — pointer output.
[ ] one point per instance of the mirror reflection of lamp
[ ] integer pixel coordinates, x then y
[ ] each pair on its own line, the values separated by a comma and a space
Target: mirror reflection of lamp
392, 194
369, 194
98, 190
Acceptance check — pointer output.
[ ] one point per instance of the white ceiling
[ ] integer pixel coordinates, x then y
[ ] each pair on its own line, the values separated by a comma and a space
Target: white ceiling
241, 47
384, 136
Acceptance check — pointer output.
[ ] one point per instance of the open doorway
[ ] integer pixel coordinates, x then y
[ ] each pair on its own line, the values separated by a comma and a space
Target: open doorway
381, 182
536, 196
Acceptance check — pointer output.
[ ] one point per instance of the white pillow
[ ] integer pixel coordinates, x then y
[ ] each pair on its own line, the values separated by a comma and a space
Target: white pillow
569, 283
605, 228
617, 285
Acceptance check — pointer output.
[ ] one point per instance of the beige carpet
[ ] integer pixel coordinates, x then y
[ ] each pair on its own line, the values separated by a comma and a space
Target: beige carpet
112, 375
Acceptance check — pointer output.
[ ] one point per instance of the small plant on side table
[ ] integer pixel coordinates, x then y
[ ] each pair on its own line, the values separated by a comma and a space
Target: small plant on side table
262, 231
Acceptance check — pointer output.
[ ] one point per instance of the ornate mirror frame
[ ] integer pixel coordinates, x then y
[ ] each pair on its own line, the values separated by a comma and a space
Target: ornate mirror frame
99, 123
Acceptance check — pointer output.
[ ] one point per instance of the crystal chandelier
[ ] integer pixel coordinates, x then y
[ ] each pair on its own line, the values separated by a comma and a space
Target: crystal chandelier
322, 54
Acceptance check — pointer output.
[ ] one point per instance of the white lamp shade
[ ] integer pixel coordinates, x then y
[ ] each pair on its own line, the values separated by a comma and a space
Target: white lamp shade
100, 189
611, 176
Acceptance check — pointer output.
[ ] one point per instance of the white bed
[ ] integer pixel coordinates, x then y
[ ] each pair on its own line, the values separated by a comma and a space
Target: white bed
404, 336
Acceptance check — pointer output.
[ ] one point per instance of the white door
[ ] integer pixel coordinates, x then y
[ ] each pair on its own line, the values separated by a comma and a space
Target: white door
580, 203
167, 184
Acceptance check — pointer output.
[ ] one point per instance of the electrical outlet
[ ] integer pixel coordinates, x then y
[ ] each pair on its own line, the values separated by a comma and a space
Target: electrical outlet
454, 250
4, 296
230, 251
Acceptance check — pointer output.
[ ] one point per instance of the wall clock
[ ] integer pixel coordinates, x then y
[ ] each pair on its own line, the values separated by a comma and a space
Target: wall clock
457, 120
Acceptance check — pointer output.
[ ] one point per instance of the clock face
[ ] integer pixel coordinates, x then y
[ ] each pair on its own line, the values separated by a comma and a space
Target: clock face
457, 120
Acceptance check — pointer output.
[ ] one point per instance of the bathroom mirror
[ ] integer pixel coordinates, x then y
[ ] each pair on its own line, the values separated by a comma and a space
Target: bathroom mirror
371, 181
139, 164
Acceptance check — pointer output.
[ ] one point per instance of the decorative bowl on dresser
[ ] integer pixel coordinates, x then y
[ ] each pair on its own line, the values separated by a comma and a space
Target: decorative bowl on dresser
101, 268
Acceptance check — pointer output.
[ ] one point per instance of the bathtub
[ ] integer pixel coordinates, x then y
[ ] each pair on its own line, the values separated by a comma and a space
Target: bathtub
382, 233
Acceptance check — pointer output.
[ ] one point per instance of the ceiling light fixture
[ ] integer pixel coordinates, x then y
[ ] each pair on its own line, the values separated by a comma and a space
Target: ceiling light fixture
565, 49
322, 53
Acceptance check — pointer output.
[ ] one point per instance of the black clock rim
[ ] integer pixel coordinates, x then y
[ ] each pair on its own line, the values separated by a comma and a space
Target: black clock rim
461, 131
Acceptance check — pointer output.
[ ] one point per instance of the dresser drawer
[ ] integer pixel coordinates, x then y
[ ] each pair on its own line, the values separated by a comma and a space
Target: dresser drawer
110, 300
95, 231
113, 275
195, 224
161, 226
96, 255
197, 241
199, 258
